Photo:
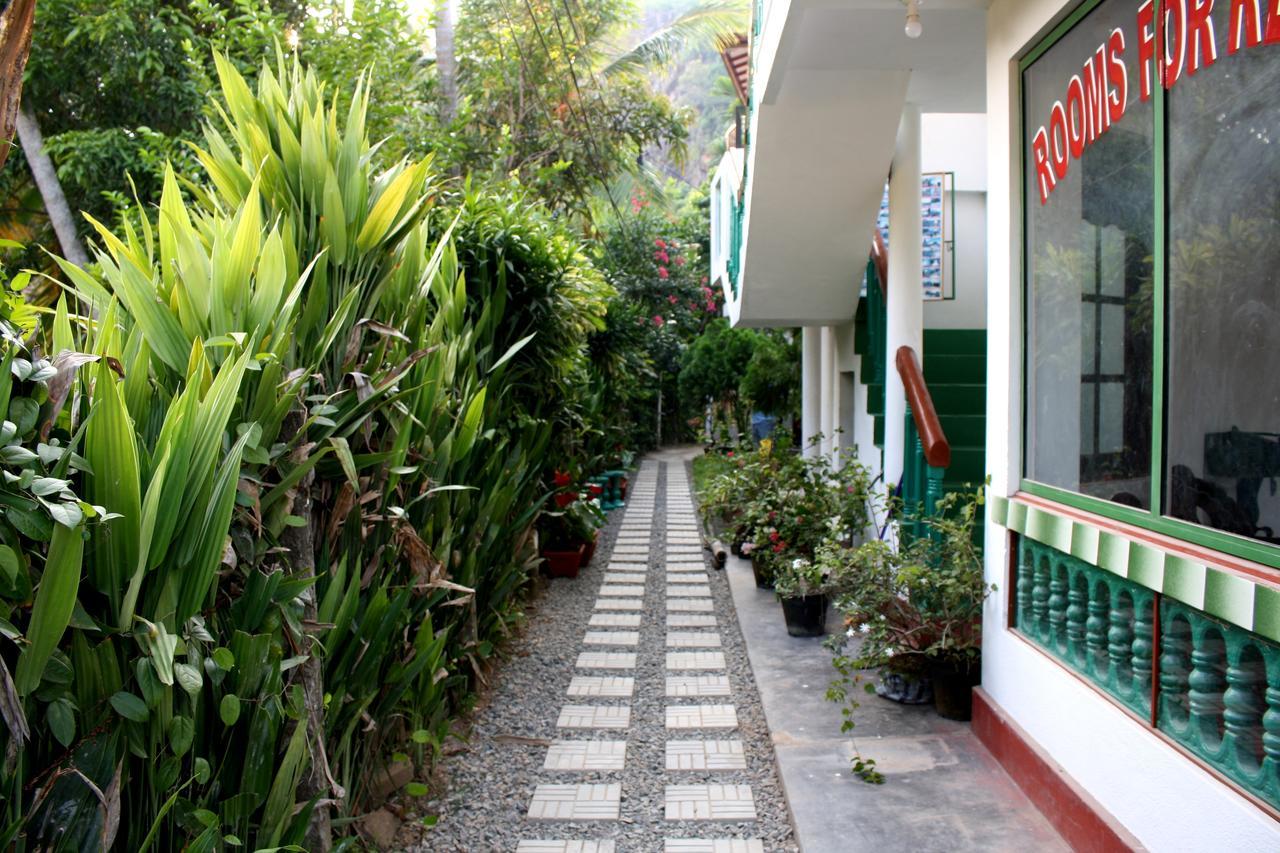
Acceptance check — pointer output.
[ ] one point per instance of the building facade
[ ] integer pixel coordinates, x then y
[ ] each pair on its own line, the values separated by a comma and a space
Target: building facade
1102, 346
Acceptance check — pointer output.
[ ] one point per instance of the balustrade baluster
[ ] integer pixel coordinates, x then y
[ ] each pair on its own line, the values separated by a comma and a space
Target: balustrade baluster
1040, 599
1207, 683
1243, 707
1058, 608
1143, 648
1271, 728
1096, 628
1119, 642
1175, 668
1025, 583
1077, 612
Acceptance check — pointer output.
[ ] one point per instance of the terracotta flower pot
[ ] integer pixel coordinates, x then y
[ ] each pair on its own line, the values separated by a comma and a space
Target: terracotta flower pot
563, 564
589, 549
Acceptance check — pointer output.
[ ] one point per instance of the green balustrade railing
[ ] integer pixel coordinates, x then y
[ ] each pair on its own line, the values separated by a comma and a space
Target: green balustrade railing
734, 266
921, 482
1215, 686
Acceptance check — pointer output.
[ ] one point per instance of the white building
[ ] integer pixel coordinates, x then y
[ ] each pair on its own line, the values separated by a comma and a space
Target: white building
1107, 353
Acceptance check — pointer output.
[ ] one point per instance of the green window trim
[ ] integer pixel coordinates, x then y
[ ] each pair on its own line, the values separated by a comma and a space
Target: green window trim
1245, 602
1150, 519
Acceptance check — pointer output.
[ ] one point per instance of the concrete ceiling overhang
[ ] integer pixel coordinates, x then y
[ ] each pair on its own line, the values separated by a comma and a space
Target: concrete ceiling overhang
837, 75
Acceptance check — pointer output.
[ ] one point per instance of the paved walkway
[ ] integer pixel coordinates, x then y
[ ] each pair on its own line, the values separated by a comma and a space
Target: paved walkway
637, 698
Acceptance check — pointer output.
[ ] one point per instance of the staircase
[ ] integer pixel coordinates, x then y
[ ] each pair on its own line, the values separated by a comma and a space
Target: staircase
955, 369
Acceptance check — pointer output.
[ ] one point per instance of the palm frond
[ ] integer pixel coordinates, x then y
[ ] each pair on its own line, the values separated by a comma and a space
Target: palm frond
711, 23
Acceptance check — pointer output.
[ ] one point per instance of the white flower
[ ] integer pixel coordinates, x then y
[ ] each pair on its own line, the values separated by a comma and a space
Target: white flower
849, 633
864, 628
797, 563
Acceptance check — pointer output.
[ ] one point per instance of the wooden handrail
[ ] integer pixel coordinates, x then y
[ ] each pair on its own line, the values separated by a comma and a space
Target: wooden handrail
880, 255
937, 451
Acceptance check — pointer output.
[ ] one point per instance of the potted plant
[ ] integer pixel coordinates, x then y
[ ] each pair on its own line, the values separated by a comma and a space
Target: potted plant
919, 605
802, 585
585, 518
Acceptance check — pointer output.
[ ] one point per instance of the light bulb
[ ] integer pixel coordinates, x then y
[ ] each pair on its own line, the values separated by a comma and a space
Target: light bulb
913, 29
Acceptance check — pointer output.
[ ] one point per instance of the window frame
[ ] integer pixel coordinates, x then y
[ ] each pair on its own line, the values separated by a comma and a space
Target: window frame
1149, 519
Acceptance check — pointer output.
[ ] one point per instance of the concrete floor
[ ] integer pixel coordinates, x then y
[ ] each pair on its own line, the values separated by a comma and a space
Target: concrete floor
943, 791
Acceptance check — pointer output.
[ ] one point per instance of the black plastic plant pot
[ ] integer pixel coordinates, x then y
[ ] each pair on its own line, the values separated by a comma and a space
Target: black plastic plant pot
764, 577
953, 684
806, 616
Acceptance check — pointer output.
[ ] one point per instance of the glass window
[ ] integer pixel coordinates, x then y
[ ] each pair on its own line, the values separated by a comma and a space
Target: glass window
1222, 451
1088, 150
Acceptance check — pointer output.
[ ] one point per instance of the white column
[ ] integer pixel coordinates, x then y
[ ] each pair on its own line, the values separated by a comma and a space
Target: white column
811, 384
826, 405
905, 326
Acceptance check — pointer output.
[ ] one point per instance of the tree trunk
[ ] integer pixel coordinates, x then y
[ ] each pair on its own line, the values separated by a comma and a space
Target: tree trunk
15, 47
55, 202
301, 544
446, 60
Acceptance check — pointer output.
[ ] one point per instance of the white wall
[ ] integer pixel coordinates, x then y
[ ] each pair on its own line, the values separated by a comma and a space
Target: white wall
1165, 799
969, 309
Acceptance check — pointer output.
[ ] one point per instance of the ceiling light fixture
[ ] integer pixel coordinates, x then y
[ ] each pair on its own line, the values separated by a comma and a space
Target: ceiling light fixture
913, 29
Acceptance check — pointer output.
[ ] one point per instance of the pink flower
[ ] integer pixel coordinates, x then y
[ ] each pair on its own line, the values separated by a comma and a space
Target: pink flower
704, 279
660, 243
657, 320
673, 299
680, 261
711, 307
662, 273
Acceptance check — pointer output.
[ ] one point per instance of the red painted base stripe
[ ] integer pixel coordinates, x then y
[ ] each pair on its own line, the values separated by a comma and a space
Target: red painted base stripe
1081, 821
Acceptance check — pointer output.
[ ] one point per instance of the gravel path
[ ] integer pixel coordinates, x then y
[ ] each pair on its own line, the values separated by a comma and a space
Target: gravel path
514, 787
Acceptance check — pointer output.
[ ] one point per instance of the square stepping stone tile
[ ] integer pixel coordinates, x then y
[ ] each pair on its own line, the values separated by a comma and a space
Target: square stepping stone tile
693, 640
702, 717
618, 590
576, 802
619, 604
686, 566
709, 802
611, 638
624, 577
540, 846
627, 564
607, 660
691, 620
695, 660
688, 591
705, 755
697, 685
594, 717
590, 755
603, 685
615, 620
710, 845
687, 577
690, 605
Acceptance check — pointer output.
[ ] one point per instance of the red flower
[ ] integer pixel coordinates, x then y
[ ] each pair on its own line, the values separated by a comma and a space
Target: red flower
780, 547
662, 272
562, 478
680, 261
660, 243
673, 299
657, 320
773, 536
730, 454
661, 256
